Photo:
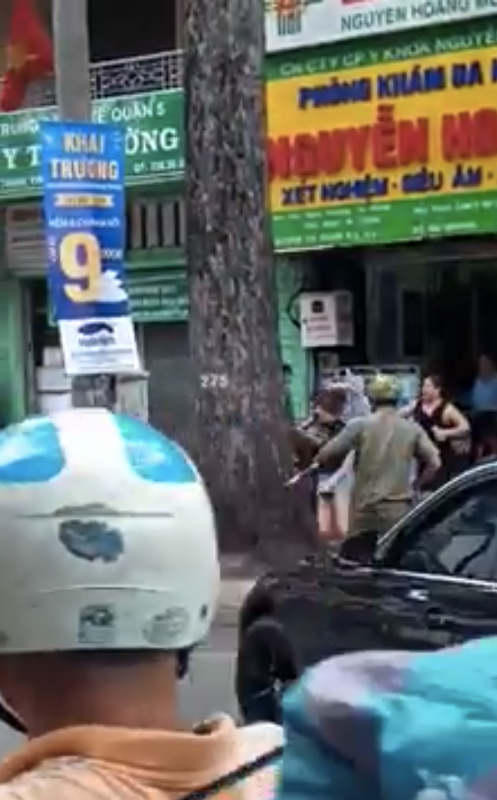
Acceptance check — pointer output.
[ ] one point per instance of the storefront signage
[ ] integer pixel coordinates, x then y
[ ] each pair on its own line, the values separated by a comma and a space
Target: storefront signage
293, 24
154, 141
159, 298
384, 151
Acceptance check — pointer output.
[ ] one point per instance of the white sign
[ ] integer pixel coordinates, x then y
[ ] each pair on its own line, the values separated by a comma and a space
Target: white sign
291, 24
92, 346
326, 319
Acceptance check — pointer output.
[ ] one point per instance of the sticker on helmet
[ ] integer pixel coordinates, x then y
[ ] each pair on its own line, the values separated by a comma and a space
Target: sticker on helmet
152, 456
166, 626
92, 540
30, 452
97, 624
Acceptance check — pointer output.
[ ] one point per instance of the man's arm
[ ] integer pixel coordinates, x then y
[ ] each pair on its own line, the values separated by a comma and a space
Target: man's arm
428, 456
334, 452
408, 410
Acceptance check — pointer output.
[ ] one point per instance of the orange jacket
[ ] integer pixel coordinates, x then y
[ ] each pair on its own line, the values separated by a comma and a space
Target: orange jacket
97, 763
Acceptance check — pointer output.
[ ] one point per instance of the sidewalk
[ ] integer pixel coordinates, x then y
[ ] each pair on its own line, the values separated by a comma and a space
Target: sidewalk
238, 576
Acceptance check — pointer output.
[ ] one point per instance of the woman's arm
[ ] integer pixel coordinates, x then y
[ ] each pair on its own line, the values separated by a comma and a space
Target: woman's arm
456, 422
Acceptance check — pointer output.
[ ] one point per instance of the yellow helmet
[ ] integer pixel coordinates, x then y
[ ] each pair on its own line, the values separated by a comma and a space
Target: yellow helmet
384, 389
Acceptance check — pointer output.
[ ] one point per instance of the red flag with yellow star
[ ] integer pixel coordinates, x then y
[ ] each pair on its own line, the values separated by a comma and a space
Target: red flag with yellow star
29, 55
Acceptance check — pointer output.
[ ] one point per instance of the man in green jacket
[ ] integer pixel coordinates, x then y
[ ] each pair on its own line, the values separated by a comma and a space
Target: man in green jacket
386, 448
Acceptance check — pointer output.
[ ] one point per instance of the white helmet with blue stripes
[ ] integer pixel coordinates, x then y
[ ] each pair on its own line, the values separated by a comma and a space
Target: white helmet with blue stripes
107, 537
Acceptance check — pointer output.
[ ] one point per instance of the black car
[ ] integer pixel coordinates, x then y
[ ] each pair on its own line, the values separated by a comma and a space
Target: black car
428, 583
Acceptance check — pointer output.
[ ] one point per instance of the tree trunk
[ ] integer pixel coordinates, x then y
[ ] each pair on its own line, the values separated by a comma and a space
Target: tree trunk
239, 426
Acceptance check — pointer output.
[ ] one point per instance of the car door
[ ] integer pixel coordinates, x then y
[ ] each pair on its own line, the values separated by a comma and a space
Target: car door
327, 607
439, 574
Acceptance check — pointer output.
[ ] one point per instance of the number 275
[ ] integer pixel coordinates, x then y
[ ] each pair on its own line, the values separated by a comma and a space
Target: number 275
213, 380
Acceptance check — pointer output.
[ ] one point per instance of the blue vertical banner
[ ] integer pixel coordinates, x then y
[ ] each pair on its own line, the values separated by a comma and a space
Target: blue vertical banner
84, 203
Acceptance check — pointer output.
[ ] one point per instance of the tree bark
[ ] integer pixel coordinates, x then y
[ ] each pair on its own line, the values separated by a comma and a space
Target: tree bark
239, 425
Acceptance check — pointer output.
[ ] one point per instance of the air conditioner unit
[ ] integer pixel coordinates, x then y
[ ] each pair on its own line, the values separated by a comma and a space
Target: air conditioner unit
327, 319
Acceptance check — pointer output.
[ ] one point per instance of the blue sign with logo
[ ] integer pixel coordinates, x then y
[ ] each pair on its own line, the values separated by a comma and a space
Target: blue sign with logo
83, 171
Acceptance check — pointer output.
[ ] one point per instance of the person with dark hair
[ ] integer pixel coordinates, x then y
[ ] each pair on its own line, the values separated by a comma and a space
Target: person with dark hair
484, 392
446, 426
484, 406
324, 424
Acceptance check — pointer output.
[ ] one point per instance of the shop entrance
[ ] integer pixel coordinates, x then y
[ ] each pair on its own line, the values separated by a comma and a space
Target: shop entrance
435, 308
422, 307
462, 323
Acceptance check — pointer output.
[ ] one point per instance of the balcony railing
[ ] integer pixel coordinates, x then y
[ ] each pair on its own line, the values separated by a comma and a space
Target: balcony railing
121, 77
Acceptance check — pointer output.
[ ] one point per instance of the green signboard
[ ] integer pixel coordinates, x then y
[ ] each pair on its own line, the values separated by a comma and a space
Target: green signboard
154, 141
391, 141
159, 298
407, 220
155, 298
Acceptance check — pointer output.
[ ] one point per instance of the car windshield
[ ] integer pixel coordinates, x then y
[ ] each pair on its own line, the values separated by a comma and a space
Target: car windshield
463, 542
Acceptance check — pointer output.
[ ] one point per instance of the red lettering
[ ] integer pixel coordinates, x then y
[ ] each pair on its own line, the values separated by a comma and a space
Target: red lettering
357, 143
457, 136
466, 135
279, 158
305, 156
331, 151
485, 133
413, 141
384, 139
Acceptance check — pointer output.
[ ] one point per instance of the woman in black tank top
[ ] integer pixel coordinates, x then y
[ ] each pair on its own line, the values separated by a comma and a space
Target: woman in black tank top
430, 417
446, 427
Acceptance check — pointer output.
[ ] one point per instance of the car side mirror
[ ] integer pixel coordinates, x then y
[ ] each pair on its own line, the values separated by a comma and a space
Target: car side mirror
360, 548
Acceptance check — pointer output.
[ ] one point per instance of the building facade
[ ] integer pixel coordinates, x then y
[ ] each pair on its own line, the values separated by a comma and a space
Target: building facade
382, 140
136, 81
382, 136
144, 93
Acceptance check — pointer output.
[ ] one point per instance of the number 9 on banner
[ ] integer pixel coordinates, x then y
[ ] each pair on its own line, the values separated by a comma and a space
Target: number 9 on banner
80, 260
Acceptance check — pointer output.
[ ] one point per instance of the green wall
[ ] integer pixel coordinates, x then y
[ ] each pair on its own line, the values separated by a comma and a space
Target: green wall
289, 283
12, 356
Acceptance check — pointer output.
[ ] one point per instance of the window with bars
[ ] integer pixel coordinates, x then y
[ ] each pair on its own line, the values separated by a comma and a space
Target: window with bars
155, 224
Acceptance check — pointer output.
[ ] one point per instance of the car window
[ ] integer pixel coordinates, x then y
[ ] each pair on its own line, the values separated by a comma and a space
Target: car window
459, 538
